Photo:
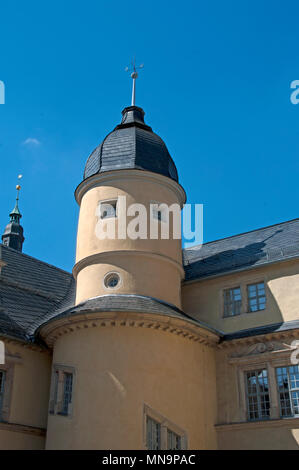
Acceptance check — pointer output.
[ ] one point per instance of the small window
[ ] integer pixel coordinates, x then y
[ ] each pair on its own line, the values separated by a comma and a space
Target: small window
153, 434
256, 297
158, 211
258, 399
2, 382
67, 392
232, 302
173, 440
288, 390
62, 392
108, 209
111, 280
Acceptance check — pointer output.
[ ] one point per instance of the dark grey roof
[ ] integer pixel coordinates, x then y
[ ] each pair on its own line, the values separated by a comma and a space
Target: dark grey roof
125, 303
262, 330
258, 247
131, 145
29, 290
121, 303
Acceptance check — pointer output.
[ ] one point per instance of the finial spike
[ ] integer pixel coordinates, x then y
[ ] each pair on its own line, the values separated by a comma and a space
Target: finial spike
134, 74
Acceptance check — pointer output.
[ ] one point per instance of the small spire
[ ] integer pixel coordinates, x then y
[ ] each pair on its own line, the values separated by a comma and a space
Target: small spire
133, 69
13, 234
15, 214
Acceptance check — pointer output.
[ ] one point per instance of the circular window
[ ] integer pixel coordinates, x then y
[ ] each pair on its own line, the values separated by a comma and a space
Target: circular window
111, 280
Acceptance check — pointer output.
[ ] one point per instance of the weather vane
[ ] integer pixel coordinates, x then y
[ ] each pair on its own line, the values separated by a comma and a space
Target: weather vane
18, 186
133, 69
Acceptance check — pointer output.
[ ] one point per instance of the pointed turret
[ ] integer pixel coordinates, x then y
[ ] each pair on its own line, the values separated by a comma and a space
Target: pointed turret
13, 233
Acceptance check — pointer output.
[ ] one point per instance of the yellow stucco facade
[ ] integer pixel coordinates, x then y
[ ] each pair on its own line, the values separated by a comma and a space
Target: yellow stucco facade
154, 359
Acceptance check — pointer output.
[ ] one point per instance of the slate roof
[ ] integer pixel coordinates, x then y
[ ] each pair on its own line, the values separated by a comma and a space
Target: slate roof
122, 303
33, 292
247, 250
131, 145
262, 330
30, 289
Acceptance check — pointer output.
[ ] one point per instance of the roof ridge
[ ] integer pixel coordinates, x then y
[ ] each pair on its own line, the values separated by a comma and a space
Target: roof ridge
243, 233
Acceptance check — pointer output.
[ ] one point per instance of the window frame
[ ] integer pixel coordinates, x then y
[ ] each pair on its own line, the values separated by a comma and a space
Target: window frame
242, 284
58, 391
225, 303
290, 390
106, 280
2, 392
165, 425
8, 369
257, 297
259, 395
112, 202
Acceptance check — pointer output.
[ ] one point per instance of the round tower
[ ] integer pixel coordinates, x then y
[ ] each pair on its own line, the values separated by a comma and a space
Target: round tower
130, 369
131, 167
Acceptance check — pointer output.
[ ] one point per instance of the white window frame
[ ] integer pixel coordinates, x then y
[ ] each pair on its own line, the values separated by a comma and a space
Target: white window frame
290, 390
259, 395
57, 393
165, 425
257, 297
243, 285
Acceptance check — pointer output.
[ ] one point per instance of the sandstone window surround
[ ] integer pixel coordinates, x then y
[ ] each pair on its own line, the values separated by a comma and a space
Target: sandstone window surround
6, 383
269, 356
160, 433
62, 390
238, 299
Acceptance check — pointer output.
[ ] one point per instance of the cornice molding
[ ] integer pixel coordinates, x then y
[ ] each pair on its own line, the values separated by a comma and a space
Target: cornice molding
267, 423
169, 324
98, 258
109, 176
14, 427
260, 339
26, 345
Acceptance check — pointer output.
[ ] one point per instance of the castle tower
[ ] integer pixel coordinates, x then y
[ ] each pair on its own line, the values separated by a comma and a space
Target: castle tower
13, 233
131, 166
124, 355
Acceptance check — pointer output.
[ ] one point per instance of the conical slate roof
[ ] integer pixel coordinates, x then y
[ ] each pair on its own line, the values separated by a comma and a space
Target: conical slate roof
131, 145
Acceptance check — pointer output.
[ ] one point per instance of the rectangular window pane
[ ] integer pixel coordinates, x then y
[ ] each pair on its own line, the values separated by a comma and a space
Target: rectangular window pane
232, 302
173, 440
108, 209
256, 297
288, 390
153, 434
2, 381
67, 392
258, 399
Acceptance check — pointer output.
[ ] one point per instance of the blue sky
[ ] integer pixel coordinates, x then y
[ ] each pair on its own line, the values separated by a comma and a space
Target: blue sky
215, 87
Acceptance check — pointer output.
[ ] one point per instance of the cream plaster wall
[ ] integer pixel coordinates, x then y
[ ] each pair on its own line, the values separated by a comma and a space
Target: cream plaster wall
149, 267
10, 440
261, 436
204, 299
29, 395
118, 371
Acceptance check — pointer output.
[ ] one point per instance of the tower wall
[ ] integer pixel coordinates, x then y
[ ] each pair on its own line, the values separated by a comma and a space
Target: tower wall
151, 267
121, 372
